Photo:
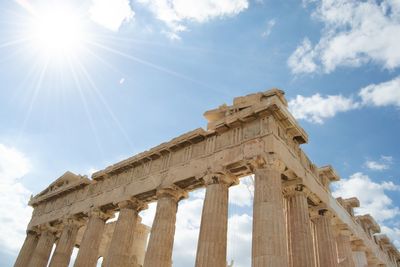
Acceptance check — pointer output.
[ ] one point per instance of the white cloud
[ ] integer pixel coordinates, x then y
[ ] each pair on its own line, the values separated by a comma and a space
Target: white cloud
302, 59
241, 194
14, 196
270, 25
383, 94
372, 195
383, 164
393, 234
387, 158
317, 108
374, 200
239, 239
376, 166
111, 13
176, 13
356, 32
187, 231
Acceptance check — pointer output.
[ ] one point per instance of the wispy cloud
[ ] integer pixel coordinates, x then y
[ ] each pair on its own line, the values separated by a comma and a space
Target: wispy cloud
270, 25
382, 164
355, 33
302, 59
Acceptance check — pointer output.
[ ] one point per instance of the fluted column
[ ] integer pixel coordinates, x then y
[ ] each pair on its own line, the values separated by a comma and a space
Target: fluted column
269, 246
27, 249
325, 239
120, 249
301, 252
344, 251
66, 243
159, 249
43, 249
89, 248
212, 242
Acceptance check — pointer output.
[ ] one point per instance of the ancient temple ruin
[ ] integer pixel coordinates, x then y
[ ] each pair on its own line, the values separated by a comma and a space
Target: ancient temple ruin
296, 221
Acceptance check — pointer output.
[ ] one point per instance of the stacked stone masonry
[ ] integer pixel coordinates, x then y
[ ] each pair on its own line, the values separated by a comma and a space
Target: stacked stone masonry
296, 221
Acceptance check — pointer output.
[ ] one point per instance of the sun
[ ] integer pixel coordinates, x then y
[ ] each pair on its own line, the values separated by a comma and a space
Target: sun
57, 32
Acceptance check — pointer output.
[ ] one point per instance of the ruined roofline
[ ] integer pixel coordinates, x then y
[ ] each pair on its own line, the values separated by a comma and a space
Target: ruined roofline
244, 108
368, 219
65, 183
352, 202
328, 172
385, 241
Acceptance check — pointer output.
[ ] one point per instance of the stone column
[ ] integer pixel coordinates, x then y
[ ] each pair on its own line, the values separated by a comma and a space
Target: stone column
27, 249
120, 250
344, 251
269, 247
66, 243
212, 242
325, 239
159, 250
89, 248
43, 249
301, 250
360, 259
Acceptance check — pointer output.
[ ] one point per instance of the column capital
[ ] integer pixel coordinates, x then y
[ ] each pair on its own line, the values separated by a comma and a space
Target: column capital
32, 231
173, 192
220, 178
320, 211
74, 221
47, 228
341, 229
103, 215
358, 245
294, 189
132, 203
268, 161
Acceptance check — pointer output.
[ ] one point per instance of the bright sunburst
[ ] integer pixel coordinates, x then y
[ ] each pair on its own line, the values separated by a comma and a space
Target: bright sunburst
57, 32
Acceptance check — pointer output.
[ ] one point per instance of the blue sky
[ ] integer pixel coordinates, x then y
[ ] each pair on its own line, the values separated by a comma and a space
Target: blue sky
102, 80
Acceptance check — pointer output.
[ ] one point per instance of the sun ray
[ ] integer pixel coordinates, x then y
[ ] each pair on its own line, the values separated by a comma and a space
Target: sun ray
87, 111
104, 102
154, 66
13, 42
102, 60
32, 101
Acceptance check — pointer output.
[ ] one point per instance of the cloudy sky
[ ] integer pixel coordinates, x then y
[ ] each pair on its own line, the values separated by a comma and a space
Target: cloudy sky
88, 83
